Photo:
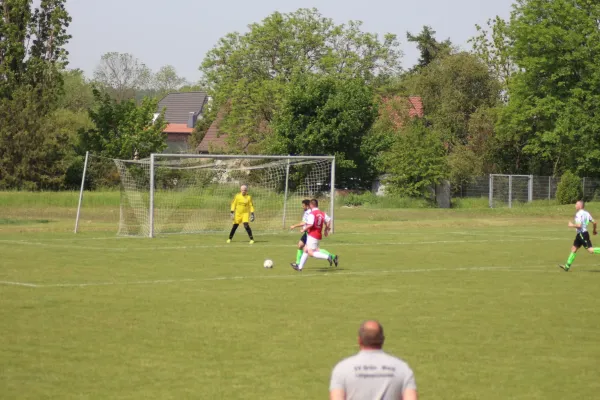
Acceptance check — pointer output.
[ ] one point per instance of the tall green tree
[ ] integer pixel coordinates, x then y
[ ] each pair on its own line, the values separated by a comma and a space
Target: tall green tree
429, 48
452, 89
167, 80
32, 56
551, 122
416, 162
327, 115
77, 95
123, 128
493, 46
459, 94
248, 73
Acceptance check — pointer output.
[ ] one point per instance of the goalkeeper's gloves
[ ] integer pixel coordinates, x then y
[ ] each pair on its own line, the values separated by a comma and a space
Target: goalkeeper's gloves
252, 217
232, 214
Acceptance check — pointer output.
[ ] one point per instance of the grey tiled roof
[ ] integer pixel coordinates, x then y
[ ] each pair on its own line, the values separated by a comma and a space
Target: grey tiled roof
179, 105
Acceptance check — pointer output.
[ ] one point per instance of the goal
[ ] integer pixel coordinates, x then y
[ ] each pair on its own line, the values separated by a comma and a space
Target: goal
192, 193
506, 190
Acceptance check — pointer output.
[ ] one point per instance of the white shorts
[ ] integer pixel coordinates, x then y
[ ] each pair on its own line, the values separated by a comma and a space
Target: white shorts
312, 243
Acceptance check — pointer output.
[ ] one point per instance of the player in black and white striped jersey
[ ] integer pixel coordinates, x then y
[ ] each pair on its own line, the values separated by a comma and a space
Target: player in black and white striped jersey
582, 238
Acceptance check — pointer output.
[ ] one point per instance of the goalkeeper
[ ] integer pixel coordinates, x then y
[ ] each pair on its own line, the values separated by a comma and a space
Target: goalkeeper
242, 211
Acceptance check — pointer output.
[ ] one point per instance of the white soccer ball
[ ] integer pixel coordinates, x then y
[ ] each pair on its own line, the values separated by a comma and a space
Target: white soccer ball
268, 264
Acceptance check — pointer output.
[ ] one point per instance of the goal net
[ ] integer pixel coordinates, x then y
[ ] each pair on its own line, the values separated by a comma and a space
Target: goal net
509, 190
191, 193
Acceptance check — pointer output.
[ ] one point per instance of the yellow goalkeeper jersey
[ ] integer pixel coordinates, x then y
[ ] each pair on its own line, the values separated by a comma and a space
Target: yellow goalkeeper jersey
242, 204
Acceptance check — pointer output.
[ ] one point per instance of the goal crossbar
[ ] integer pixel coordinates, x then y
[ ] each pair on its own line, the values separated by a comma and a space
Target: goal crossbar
248, 157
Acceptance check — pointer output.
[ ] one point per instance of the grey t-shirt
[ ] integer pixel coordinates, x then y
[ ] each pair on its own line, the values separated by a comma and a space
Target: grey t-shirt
372, 375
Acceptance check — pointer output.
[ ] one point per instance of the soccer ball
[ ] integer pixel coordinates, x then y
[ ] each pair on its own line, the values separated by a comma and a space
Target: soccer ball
268, 264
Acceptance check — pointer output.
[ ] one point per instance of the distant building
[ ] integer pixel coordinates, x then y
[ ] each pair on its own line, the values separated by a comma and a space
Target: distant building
182, 112
214, 140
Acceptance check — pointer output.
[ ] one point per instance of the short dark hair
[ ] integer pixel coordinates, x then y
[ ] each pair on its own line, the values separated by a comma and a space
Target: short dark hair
370, 337
306, 202
314, 202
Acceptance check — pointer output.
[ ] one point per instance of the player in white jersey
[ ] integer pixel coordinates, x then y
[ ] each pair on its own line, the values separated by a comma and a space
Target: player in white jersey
302, 242
582, 219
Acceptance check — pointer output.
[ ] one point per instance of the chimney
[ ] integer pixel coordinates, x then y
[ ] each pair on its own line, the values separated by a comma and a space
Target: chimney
191, 120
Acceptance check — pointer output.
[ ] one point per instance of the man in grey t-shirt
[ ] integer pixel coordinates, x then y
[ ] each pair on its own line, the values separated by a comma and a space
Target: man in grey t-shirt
372, 374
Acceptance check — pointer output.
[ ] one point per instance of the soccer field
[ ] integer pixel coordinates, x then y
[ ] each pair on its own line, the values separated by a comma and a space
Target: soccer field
471, 299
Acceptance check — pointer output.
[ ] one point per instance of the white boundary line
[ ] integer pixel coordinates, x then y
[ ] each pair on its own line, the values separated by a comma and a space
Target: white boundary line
291, 276
337, 244
478, 231
8, 283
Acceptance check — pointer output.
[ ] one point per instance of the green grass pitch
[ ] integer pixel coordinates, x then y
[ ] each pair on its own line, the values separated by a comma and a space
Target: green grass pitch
471, 299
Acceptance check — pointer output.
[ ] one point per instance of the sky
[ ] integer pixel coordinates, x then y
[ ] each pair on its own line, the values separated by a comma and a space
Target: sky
180, 32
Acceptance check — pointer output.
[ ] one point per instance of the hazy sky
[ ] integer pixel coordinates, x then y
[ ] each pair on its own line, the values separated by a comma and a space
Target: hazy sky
180, 32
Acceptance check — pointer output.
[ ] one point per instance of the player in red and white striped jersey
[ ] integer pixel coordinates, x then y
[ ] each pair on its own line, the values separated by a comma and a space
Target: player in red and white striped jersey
317, 220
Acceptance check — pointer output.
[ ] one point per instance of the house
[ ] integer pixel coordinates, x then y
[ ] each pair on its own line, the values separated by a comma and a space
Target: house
182, 112
398, 108
214, 141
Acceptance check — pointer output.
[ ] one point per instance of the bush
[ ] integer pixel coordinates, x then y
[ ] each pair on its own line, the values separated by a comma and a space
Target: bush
371, 200
569, 189
355, 200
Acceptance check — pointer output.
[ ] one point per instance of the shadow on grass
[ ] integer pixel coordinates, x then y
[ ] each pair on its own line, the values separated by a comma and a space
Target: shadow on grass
328, 269
7, 221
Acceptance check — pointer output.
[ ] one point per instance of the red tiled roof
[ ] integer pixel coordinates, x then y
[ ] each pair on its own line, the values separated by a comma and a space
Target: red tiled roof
397, 108
213, 139
178, 128
416, 109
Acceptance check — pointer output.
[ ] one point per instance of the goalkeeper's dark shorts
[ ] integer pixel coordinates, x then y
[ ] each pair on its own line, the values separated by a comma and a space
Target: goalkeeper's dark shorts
582, 239
303, 238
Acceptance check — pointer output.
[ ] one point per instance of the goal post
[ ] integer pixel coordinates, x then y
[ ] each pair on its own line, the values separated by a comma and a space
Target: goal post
192, 193
83, 176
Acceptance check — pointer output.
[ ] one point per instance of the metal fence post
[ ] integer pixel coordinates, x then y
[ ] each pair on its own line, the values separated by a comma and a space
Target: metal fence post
491, 192
510, 191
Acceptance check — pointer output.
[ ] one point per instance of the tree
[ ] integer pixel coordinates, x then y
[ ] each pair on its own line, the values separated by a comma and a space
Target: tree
191, 87
552, 108
77, 95
416, 162
122, 128
428, 46
249, 73
121, 75
453, 89
32, 54
327, 115
393, 114
166, 80
493, 46
460, 96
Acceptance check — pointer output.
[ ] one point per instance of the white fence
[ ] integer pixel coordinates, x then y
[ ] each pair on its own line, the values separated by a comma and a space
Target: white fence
506, 190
